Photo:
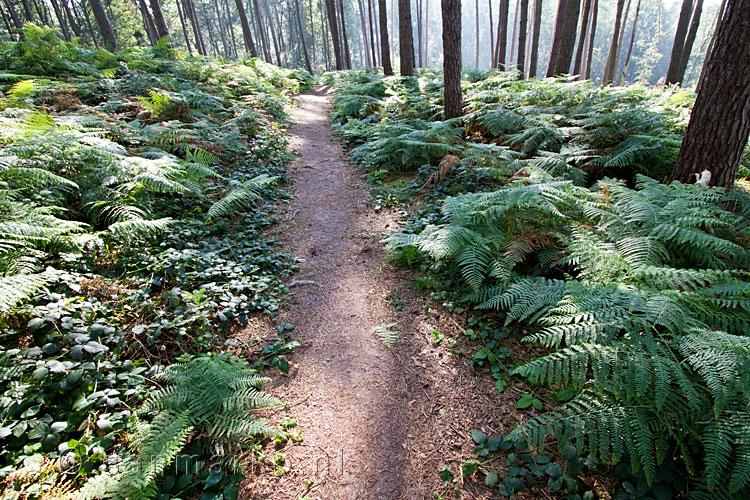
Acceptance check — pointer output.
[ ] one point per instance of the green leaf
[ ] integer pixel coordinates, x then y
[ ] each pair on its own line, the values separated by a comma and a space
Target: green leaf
491, 479
216, 475
493, 444
478, 436
470, 467
536, 404
524, 402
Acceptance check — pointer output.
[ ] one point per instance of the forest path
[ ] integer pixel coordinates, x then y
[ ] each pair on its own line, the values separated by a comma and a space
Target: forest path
378, 422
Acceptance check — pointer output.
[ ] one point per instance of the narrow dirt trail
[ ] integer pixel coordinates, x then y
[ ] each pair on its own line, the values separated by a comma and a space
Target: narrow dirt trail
378, 422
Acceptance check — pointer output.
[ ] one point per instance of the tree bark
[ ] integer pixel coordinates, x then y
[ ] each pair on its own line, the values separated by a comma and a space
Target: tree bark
161, 25
406, 38
71, 18
522, 32
365, 35
564, 38
427, 33
534, 56
371, 27
610, 68
592, 38
148, 22
27, 11
582, 34
6, 21
302, 37
324, 33
451, 13
476, 32
419, 33
720, 121
385, 49
513, 38
502, 34
274, 38
181, 14
719, 17
679, 42
60, 19
14, 15
262, 31
88, 23
692, 32
333, 25
492, 34
105, 27
630, 45
228, 15
221, 26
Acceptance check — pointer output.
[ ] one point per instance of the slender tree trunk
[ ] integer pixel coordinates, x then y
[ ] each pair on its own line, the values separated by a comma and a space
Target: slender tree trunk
690, 40
426, 33
514, 34
347, 53
6, 21
148, 23
108, 34
476, 32
365, 41
376, 31
27, 11
333, 24
451, 13
71, 18
312, 32
719, 17
630, 45
373, 51
720, 121
385, 50
221, 27
41, 11
522, 32
184, 26
302, 37
228, 16
262, 31
679, 42
501, 46
274, 38
60, 19
564, 38
610, 68
492, 34
197, 33
161, 25
406, 38
324, 32
592, 38
88, 23
534, 56
419, 33
17, 23
582, 34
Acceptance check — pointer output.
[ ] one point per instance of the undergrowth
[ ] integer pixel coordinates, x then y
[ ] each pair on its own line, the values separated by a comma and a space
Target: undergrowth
134, 193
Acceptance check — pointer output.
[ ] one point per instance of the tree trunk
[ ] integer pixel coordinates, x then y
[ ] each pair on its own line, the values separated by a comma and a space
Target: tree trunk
582, 34
719, 17
324, 32
17, 23
592, 38
302, 37
406, 38
679, 42
492, 34
370, 24
564, 38
27, 11
502, 33
534, 56
720, 121
228, 14
514, 34
200, 45
451, 13
148, 23
333, 25
630, 45
181, 14
262, 31
385, 49
610, 68
427, 33
692, 32
419, 33
365, 36
221, 26
41, 11
347, 54
522, 28
88, 23
374, 24
161, 25
71, 18
60, 19
476, 32
274, 37
108, 34
6, 21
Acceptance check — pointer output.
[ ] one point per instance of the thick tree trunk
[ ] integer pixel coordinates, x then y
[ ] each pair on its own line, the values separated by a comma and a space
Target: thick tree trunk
534, 56
406, 38
690, 40
385, 50
148, 23
610, 68
181, 14
592, 38
564, 38
522, 31
679, 42
302, 37
719, 17
161, 25
502, 34
720, 121
105, 27
333, 25
582, 34
451, 13
630, 45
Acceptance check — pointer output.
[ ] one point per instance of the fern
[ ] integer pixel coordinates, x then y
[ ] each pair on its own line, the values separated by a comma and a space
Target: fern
241, 198
386, 334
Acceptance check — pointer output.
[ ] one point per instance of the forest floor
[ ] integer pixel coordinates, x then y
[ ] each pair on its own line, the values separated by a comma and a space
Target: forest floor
378, 422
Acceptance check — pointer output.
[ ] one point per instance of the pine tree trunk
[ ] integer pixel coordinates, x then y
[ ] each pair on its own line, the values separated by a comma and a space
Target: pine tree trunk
221, 27
302, 37
42, 11
690, 40
181, 14
630, 45
385, 49
522, 32
371, 27
148, 22
451, 13
228, 16
406, 38
476, 32
17, 23
427, 33
513, 38
108, 34
534, 56
501, 45
60, 19
365, 40
200, 45
161, 25
376, 31
347, 52
582, 34
419, 33
333, 25
679, 42
6, 21
27, 11
720, 121
88, 24
326, 37
71, 18
564, 37
592, 38
262, 31
274, 37
492, 34
610, 68
719, 17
